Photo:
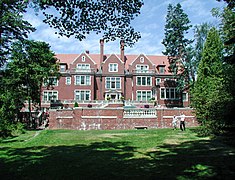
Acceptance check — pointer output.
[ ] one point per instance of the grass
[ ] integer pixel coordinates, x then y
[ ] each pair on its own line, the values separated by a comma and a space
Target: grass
124, 154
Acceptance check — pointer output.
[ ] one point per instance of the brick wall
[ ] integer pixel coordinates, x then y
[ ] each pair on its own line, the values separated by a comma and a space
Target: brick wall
83, 118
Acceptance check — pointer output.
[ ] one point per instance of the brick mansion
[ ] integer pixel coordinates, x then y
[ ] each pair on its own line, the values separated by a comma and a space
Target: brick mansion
88, 77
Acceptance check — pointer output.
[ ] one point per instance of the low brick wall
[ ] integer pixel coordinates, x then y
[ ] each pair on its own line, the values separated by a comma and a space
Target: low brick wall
109, 118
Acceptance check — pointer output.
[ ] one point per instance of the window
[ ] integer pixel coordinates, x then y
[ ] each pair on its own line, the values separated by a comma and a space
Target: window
50, 95
113, 67
113, 82
83, 68
83, 58
82, 95
142, 59
142, 68
169, 93
185, 96
82, 80
158, 81
161, 70
144, 81
51, 81
143, 95
68, 80
62, 68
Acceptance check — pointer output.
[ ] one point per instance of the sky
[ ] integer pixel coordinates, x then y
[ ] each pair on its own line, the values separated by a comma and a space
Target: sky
150, 23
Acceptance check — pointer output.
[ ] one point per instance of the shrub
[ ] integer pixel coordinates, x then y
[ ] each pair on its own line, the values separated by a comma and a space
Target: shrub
11, 129
76, 104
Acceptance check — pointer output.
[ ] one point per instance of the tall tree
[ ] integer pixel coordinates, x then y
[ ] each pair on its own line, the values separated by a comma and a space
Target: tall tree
176, 44
12, 26
31, 63
200, 35
210, 97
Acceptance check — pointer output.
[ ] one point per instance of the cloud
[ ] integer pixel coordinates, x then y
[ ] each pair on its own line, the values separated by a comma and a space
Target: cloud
150, 23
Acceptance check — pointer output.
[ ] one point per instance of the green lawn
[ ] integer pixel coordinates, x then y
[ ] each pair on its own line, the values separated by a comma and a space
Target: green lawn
124, 154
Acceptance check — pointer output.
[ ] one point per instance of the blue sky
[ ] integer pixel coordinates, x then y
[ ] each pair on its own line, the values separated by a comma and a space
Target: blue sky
150, 23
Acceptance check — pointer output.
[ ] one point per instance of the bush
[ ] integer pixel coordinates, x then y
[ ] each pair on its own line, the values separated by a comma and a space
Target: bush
76, 104
17, 129
8, 129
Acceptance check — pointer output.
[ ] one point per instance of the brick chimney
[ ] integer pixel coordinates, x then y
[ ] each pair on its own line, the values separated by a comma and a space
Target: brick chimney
122, 44
101, 51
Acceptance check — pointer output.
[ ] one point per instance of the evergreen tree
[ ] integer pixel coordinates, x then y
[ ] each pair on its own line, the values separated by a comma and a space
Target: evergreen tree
31, 63
176, 45
210, 97
200, 35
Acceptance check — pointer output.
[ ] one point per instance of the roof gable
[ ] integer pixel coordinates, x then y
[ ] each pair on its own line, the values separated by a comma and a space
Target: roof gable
138, 57
110, 56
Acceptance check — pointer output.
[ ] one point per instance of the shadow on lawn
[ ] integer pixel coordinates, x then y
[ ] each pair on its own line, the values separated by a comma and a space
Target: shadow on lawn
115, 160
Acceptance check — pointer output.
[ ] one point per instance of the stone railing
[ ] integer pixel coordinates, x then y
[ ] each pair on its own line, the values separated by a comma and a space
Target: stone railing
139, 113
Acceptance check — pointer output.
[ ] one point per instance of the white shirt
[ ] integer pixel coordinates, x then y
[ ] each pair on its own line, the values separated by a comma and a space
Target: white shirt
182, 117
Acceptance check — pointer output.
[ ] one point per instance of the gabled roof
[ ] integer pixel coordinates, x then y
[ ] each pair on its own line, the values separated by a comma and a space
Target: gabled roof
155, 59
118, 57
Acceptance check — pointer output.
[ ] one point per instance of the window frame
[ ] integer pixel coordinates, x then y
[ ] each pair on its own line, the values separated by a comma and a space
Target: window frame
112, 67
68, 82
167, 93
48, 97
110, 81
78, 79
141, 95
143, 81
161, 70
84, 95
142, 68
46, 81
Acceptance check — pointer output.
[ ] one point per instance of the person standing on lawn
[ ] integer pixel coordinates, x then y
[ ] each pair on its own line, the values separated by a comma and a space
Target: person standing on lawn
174, 122
182, 122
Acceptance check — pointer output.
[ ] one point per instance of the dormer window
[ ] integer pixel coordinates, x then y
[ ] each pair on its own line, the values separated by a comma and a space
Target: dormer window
161, 70
62, 68
142, 59
113, 67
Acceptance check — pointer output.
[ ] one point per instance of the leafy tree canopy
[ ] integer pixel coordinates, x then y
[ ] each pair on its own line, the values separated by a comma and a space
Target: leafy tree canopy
75, 18
79, 17
12, 26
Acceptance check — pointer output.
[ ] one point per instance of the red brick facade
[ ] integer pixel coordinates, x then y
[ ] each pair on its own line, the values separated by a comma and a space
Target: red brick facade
88, 77
116, 118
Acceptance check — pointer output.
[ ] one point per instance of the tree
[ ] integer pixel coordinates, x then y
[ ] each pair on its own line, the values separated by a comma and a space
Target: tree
31, 63
200, 35
12, 26
227, 29
70, 18
210, 97
176, 45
